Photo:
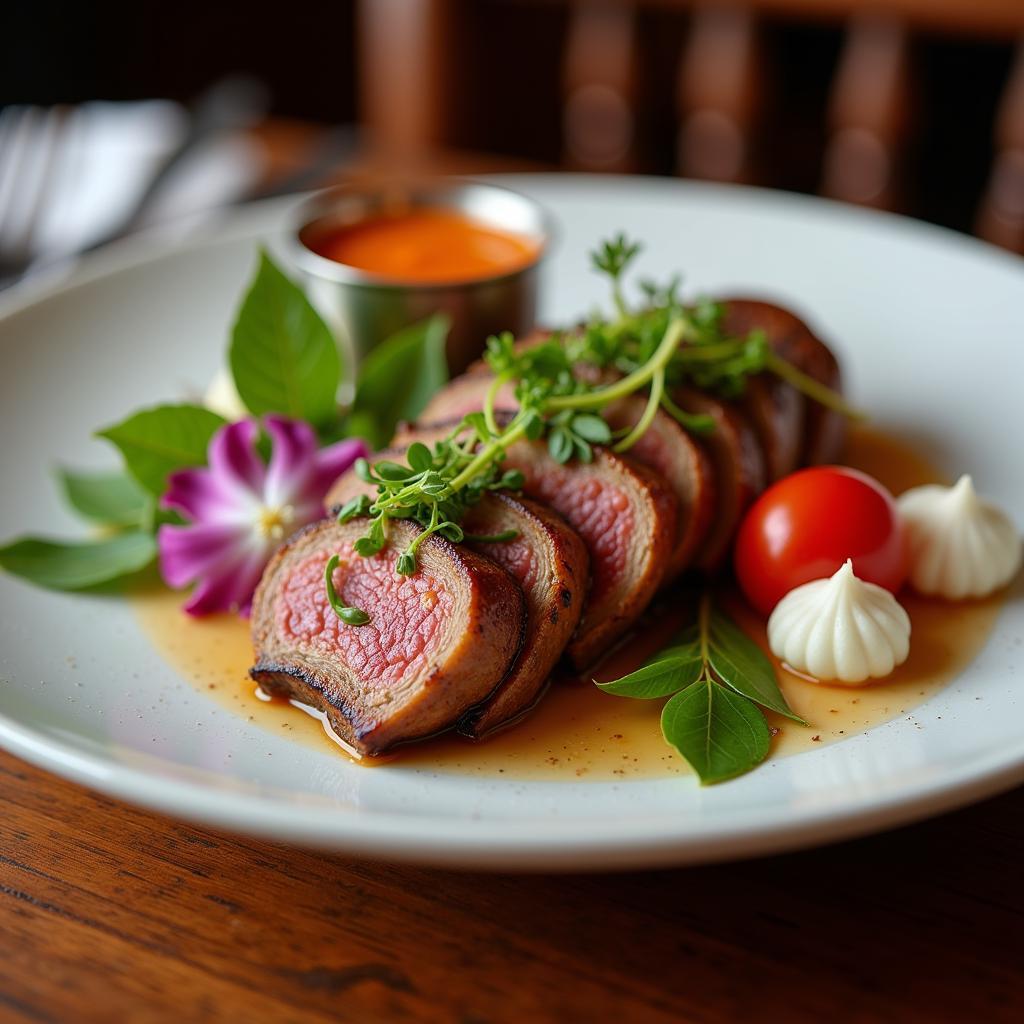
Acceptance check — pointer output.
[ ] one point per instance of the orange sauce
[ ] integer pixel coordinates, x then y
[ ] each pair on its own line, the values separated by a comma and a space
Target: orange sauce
577, 732
430, 246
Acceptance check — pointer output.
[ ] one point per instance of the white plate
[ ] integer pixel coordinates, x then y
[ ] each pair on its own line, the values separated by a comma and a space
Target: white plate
930, 326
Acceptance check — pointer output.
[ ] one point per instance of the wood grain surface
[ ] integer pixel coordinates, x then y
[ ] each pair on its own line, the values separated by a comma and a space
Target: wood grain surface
111, 914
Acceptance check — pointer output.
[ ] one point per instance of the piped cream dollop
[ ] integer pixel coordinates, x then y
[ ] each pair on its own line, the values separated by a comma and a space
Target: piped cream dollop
960, 546
840, 628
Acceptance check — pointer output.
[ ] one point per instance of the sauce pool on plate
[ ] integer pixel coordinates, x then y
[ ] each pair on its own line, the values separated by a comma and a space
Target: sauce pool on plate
424, 246
577, 732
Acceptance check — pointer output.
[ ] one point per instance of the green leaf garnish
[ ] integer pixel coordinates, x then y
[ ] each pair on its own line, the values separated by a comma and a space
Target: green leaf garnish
744, 667
668, 671
156, 442
283, 357
719, 676
114, 498
399, 377
78, 566
664, 674
719, 733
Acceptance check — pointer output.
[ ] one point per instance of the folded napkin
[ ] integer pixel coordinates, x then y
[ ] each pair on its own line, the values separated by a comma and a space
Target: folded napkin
106, 154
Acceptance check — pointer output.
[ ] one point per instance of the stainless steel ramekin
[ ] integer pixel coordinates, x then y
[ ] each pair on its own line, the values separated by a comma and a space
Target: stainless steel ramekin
364, 308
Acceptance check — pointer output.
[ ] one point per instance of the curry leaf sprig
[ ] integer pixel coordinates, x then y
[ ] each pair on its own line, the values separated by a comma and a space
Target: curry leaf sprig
716, 677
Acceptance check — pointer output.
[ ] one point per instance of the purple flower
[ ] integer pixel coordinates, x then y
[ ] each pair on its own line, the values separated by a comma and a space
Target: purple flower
241, 510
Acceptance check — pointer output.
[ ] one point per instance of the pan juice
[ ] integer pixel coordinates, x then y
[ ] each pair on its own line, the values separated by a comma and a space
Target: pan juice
577, 732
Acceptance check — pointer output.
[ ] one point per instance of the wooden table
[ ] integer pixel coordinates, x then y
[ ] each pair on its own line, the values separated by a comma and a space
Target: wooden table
111, 914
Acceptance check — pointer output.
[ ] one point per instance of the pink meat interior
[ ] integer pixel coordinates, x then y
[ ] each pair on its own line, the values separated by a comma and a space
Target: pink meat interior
406, 614
468, 396
517, 556
600, 512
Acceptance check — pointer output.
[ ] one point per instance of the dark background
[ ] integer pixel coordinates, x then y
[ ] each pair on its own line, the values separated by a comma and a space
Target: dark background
505, 59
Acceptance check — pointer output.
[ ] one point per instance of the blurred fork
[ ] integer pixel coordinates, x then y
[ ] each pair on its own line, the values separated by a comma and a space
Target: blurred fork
29, 142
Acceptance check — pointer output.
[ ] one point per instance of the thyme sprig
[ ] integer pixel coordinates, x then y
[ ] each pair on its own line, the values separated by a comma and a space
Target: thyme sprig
561, 387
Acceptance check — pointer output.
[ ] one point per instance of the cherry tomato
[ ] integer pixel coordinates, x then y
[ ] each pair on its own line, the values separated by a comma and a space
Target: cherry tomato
805, 526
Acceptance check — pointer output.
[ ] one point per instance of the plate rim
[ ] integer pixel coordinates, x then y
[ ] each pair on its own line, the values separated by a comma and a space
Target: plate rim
505, 844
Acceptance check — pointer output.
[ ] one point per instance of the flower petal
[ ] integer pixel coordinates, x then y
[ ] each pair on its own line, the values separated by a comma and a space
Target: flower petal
201, 495
189, 552
291, 460
233, 457
231, 589
330, 464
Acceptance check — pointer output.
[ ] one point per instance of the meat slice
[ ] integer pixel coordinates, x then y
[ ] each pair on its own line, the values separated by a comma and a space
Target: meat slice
549, 560
739, 470
465, 394
626, 516
437, 643
678, 458
776, 411
665, 447
820, 432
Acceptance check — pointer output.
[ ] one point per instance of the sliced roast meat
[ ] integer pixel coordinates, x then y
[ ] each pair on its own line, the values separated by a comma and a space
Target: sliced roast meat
739, 470
665, 448
549, 560
684, 464
437, 643
463, 395
822, 432
626, 516
776, 411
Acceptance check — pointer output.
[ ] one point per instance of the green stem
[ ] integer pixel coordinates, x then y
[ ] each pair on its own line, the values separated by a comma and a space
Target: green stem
695, 422
650, 411
812, 388
630, 383
704, 626
711, 353
620, 302
486, 455
489, 400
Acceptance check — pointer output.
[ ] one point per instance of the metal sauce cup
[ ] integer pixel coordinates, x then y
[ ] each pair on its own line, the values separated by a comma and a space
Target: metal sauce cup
364, 308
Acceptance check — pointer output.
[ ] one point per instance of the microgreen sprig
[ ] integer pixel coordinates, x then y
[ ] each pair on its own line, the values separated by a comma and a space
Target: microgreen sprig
561, 387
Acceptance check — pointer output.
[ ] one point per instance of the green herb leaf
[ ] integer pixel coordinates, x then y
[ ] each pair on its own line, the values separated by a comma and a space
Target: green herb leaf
560, 444
77, 566
114, 499
743, 666
282, 355
592, 428
156, 442
418, 456
357, 506
666, 673
399, 377
719, 733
